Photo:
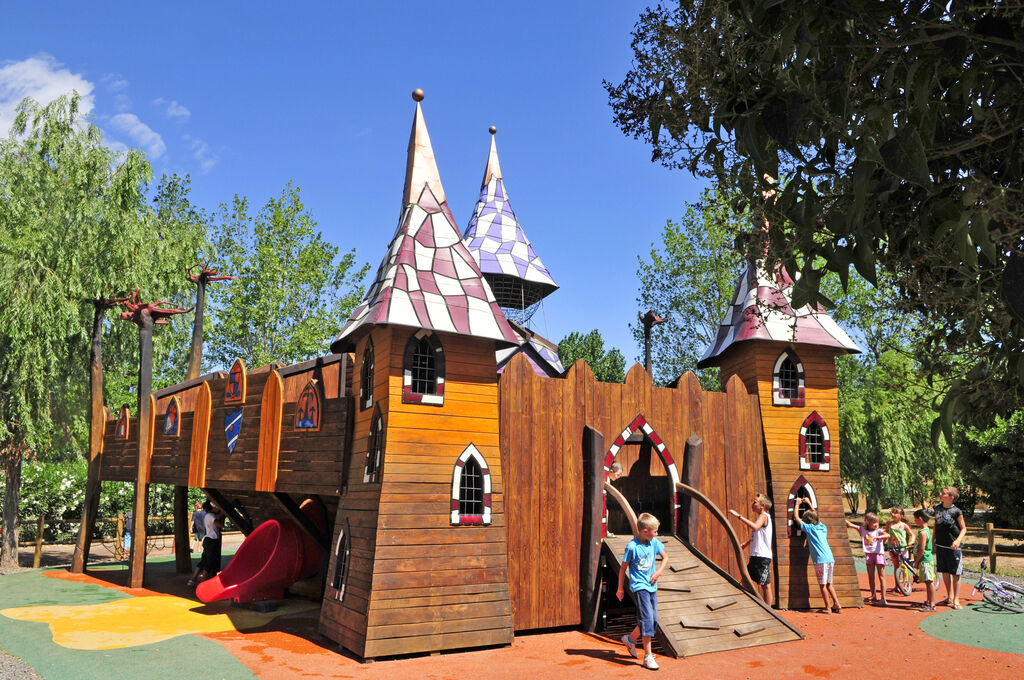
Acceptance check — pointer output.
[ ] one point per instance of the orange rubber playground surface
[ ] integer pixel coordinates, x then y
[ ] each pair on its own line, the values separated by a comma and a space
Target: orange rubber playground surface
71, 626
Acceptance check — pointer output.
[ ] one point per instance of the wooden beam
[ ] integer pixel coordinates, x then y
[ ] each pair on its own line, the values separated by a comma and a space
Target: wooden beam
693, 458
748, 583
304, 522
590, 540
242, 522
624, 504
182, 542
697, 624
271, 410
748, 628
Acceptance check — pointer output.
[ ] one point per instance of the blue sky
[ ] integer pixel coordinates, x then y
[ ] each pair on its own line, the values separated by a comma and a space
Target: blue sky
247, 96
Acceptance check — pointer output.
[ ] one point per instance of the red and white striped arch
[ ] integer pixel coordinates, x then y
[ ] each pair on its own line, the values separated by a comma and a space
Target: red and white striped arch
639, 424
826, 444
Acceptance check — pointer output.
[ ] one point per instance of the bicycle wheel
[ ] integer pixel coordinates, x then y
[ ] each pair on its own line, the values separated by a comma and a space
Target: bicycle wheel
1013, 588
904, 579
1004, 601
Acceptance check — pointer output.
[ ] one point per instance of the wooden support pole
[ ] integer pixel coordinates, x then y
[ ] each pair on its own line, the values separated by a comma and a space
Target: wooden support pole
591, 536
305, 523
182, 540
137, 555
37, 558
243, 524
693, 460
990, 533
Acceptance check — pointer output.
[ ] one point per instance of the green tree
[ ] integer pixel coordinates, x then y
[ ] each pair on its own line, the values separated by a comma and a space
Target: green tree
899, 127
292, 291
689, 279
74, 228
993, 460
607, 366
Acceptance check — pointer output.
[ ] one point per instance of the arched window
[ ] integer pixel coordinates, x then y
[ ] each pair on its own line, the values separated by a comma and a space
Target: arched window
341, 561
172, 418
471, 488
235, 387
815, 444
366, 377
374, 449
788, 380
121, 429
801, 489
307, 408
423, 370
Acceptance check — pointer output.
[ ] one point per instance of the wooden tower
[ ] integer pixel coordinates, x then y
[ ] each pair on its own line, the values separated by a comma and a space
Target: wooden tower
419, 557
786, 357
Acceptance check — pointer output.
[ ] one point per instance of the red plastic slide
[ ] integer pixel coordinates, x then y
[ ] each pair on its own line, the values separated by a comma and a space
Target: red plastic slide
274, 556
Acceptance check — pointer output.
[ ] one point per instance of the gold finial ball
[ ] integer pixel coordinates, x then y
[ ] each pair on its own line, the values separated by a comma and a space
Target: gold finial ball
417, 94
492, 129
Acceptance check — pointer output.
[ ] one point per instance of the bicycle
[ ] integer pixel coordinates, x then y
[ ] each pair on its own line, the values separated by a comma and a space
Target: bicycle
1001, 594
906, 575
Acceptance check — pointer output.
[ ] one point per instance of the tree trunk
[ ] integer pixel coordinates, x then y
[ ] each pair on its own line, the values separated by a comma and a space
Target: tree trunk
12, 455
97, 417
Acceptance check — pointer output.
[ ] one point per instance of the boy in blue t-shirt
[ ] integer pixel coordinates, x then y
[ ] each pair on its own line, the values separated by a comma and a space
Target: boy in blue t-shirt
821, 554
643, 581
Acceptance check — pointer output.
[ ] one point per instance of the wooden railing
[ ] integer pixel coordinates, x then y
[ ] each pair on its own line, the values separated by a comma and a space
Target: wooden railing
624, 504
748, 582
990, 551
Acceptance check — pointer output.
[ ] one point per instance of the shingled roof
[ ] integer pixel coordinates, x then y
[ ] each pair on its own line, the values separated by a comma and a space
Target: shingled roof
497, 241
762, 309
428, 278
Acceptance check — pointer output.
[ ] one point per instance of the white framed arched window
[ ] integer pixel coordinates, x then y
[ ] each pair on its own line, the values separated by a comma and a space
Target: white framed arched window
471, 488
815, 444
423, 370
342, 552
788, 380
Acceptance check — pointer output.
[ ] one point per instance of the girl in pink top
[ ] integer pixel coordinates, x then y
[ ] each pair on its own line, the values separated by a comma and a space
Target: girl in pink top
873, 539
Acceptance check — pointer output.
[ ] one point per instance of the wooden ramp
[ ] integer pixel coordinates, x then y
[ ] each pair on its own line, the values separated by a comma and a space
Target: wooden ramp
702, 609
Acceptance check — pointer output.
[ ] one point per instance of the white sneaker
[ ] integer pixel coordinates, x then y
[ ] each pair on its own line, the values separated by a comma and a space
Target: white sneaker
650, 663
630, 645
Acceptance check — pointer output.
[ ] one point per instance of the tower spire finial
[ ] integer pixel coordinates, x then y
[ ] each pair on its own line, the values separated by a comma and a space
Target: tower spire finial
493, 169
421, 168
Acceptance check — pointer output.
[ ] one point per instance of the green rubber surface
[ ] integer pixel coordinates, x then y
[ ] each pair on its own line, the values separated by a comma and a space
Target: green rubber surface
978, 625
185, 656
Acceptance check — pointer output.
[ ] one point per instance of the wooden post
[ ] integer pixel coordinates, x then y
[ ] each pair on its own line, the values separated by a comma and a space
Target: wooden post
693, 458
119, 537
137, 555
38, 557
989, 532
591, 535
182, 540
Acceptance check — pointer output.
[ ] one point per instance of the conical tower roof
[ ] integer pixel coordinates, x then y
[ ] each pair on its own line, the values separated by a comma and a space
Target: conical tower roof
499, 244
762, 309
428, 278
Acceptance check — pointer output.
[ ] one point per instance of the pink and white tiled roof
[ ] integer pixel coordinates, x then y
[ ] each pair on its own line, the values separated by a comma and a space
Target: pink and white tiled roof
499, 244
540, 352
762, 309
428, 278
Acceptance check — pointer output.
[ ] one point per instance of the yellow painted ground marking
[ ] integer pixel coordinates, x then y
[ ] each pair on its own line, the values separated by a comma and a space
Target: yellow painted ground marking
137, 621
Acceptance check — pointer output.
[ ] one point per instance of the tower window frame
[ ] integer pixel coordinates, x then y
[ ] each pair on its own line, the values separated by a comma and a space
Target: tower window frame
366, 377
342, 563
815, 444
788, 385
471, 489
423, 373
374, 449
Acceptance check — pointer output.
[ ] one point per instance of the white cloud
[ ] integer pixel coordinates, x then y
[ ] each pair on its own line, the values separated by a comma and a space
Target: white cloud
42, 78
114, 82
122, 102
202, 153
172, 108
140, 133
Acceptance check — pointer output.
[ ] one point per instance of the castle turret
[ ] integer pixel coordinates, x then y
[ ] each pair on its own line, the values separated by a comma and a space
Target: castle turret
419, 561
786, 356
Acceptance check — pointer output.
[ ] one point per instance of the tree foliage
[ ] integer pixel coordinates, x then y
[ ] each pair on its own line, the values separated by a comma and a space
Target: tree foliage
292, 291
994, 461
899, 127
608, 366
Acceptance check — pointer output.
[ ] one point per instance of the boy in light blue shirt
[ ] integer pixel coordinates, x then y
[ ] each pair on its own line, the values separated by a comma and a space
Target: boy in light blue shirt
821, 554
638, 561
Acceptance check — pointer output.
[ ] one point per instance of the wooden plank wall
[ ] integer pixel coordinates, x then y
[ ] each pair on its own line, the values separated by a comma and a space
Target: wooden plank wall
343, 619
119, 460
796, 582
312, 462
235, 469
169, 462
542, 423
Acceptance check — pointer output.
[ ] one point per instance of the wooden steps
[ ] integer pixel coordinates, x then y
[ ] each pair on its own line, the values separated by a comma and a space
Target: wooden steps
702, 609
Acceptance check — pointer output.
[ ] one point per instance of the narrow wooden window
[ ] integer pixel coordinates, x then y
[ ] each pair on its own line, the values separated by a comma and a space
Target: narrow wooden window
788, 380
815, 444
471, 488
366, 377
307, 408
342, 552
374, 450
423, 370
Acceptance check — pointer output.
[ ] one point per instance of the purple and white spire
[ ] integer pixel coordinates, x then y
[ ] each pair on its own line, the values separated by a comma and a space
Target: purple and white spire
498, 243
428, 279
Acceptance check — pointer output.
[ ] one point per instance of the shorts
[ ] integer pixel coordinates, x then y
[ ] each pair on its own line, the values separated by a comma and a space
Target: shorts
874, 558
646, 611
760, 569
926, 572
210, 561
824, 572
948, 561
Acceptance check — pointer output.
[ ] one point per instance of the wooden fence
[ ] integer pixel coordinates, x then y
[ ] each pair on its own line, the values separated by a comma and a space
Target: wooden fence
990, 551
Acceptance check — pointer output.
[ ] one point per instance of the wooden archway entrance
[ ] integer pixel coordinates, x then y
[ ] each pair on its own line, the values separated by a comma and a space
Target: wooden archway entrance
641, 486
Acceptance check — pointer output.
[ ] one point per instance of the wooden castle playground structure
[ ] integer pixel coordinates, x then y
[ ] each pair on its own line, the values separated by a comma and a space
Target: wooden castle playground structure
461, 473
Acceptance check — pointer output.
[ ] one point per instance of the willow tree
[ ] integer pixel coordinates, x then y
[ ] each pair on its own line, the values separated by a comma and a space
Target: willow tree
75, 231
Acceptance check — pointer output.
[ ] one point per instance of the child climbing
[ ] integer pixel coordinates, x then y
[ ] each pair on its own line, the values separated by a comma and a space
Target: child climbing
873, 539
924, 560
821, 554
901, 536
759, 565
638, 562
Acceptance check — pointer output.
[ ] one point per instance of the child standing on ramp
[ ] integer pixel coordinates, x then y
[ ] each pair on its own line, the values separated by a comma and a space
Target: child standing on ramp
638, 561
